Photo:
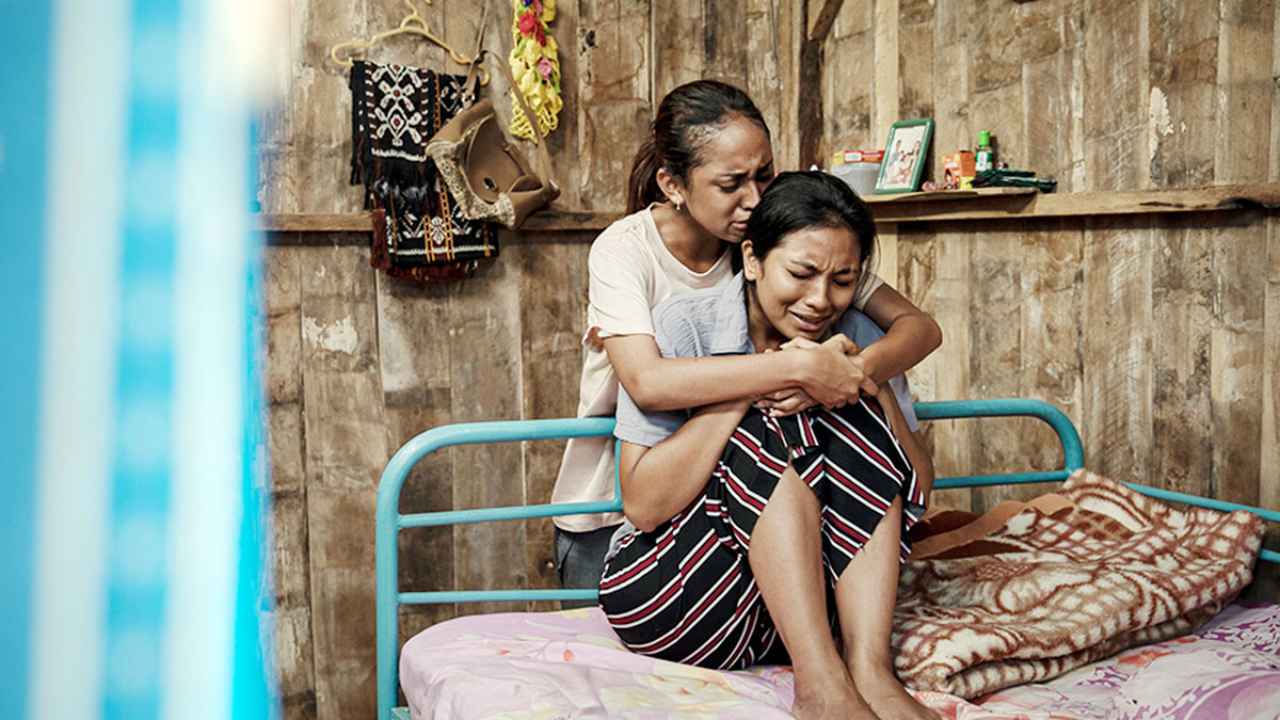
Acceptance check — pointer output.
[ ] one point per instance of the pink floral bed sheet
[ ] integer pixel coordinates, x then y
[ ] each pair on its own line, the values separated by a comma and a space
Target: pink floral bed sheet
547, 666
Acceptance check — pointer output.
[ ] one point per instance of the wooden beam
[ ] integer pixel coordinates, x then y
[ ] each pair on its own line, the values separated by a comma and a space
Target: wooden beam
981, 204
809, 116
826, 18
947, 195
305, 223
810, 112
314, 222
987, 205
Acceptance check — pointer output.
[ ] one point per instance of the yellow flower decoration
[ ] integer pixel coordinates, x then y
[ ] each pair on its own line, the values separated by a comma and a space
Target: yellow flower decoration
535, 65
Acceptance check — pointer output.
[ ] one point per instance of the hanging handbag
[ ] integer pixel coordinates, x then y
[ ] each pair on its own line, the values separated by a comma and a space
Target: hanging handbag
420, 231
487, 175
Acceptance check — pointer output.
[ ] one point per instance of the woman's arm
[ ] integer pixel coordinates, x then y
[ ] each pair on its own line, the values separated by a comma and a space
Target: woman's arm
660, 481
656, 383
919, 457
910, 335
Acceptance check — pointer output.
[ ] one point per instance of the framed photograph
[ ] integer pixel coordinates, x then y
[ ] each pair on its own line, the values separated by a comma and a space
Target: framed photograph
905, 154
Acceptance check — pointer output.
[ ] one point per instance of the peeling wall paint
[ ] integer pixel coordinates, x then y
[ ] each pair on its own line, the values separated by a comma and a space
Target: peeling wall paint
335, 337
1159, 123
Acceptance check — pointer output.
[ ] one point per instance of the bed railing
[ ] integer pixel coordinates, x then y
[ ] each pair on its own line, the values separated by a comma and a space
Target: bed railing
390, 522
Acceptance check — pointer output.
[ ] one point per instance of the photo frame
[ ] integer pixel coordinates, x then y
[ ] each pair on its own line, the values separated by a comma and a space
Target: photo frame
906, 151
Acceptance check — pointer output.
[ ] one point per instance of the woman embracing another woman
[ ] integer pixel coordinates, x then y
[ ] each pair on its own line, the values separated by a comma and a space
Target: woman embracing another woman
694, 187
753, 537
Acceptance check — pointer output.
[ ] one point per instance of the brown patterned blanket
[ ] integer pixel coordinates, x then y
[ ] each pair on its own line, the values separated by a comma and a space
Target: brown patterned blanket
1093, 571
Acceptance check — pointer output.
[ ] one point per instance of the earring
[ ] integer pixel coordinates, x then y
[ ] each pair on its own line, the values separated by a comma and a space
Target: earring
676, 203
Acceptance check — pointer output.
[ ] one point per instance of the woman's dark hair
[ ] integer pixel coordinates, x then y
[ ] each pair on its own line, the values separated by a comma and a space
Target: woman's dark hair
799, 200
686, 119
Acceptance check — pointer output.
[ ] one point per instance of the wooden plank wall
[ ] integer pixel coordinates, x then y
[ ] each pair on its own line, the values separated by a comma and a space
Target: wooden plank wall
1159, 337
1156, 334
359, 363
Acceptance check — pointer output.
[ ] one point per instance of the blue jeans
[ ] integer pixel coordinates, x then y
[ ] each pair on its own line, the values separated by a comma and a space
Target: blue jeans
580, 560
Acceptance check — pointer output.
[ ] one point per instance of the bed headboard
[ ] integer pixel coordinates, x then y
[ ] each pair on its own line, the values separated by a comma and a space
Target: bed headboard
390, 522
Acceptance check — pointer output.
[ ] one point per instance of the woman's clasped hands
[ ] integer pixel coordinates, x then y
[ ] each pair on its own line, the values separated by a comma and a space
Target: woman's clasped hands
835, 374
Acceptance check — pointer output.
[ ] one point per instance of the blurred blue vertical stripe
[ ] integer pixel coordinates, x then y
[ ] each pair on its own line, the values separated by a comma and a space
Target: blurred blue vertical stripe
254, 640
24, 121
142, 441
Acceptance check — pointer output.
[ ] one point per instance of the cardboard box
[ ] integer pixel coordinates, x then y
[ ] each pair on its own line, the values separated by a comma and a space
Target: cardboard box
958, 170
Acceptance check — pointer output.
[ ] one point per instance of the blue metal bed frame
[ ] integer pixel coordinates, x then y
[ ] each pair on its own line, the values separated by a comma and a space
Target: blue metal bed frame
390, 522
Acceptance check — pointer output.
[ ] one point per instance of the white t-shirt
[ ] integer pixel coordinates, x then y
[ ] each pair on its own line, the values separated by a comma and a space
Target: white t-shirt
631, 271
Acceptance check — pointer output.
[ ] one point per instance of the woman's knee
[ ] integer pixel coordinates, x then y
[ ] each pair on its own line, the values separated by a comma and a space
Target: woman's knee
758, 445
860, 432
793, 497
866, 415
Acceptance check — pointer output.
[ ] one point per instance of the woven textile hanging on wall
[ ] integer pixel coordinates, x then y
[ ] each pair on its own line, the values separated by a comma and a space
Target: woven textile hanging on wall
419, 233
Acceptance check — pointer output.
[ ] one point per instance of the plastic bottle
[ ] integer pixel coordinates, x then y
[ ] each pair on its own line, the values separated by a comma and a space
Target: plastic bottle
985, 157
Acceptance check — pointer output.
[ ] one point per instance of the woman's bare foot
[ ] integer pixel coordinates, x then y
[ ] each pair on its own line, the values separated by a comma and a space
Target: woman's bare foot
829, 699
887, 697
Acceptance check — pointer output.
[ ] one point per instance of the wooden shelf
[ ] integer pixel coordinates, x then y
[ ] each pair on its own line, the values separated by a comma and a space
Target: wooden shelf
555, 220
947, 195
1016, 203
943, 206
314, 222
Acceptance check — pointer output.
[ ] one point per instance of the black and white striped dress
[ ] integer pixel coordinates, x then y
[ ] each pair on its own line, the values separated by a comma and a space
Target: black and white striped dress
685, 592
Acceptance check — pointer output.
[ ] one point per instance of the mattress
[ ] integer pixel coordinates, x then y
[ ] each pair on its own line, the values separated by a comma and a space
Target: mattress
570, 664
